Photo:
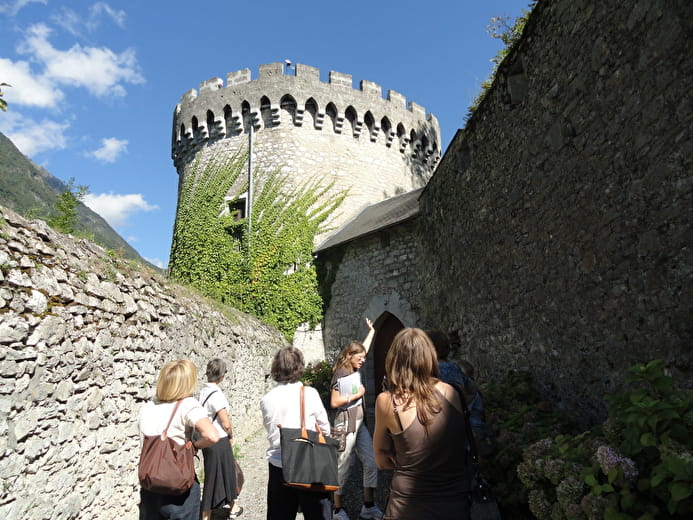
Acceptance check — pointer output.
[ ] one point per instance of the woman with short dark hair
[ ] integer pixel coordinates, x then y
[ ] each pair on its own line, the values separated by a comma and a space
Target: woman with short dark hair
220, 487
281, 405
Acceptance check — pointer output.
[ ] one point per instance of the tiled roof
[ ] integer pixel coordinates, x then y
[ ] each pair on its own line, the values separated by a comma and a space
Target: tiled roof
375, 217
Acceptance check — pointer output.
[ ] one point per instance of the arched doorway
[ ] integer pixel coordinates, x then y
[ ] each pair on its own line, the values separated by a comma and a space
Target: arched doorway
386, 326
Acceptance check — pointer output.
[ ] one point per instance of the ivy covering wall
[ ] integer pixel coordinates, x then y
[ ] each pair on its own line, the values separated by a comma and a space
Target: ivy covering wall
268, 272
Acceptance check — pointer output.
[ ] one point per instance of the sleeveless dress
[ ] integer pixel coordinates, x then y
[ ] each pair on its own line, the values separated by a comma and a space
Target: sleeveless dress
431, 480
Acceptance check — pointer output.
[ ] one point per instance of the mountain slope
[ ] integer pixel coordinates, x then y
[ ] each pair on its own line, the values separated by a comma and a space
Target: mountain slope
32, 191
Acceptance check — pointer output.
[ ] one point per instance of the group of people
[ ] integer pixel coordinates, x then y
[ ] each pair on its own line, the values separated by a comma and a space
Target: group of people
204, 421
419, 433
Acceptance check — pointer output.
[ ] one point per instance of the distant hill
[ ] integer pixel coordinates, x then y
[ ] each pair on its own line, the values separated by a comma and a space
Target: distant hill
32, 191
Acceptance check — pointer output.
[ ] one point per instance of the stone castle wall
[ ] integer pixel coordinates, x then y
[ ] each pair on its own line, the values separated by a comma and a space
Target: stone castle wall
373, 147
82, 338
558, 224
371, 276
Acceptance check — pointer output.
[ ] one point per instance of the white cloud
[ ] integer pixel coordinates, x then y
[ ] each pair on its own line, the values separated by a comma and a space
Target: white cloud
98, 8
157, 262
116, 209
12, 8
99, 70
110, 150
27, 87
32, 137
75, 24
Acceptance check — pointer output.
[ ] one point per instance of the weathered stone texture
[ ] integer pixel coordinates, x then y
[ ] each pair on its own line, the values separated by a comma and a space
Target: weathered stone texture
82, 337
559, 223
372, 276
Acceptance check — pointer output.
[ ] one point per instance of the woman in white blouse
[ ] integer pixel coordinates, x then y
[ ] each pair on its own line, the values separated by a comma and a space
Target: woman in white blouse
281, 406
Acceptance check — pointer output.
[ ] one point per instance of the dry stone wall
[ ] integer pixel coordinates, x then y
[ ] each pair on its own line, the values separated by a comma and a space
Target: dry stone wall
558, 224
82, 337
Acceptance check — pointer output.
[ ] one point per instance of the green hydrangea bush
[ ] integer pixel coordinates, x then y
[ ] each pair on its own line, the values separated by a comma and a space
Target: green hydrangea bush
637, 465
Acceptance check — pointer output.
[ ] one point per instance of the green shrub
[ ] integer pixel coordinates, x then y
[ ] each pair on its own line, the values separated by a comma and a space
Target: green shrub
319, 376
638, 465
515, 409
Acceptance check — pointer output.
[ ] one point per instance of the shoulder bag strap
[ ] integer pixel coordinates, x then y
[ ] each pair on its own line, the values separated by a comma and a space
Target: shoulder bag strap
304, 434
208, 396
170, 420
214, 418
394, 408
468, 427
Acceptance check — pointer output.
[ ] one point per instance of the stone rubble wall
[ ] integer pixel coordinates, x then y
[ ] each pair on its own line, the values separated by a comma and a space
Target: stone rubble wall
556, 231
83, 335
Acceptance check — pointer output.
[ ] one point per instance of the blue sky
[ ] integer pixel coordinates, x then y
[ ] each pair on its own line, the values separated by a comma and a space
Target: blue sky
94, 84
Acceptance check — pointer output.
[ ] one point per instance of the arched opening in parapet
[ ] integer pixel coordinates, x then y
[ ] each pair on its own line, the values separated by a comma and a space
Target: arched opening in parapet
386, 328
288, 108
414, 143
182, 136
232, 128
401, 137
331, 113
350, 115
311, 114
266, 112
211, 127
370, 126
425, 152
245, 113
195, 128
386, 128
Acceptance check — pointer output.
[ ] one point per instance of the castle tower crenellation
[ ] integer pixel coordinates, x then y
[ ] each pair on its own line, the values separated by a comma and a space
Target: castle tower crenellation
374, 146
214, 95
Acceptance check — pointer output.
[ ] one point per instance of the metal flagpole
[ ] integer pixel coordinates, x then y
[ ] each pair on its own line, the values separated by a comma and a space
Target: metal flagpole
248, 200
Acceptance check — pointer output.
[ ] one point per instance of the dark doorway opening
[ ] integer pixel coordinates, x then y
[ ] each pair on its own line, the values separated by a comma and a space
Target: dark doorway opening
387, 326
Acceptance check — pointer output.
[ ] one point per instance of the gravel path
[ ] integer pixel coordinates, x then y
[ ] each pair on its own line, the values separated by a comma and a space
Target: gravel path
254, 494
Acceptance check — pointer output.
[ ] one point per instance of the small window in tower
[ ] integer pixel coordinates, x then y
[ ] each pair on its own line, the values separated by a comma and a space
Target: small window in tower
237, 208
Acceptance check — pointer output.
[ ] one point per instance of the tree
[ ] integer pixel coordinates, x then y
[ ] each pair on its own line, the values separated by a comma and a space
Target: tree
66, 207
509, 33
3, 103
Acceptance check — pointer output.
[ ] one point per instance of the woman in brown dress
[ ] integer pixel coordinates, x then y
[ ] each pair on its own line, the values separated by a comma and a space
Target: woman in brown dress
420, 433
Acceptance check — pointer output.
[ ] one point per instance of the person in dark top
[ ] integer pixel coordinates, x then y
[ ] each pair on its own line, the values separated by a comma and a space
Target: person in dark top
420, 433
451, 373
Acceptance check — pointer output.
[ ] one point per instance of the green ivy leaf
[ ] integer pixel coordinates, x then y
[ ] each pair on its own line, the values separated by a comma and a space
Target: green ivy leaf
648, 439
680, 490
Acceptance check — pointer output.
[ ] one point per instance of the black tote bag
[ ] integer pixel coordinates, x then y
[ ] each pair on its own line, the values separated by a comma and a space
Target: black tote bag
309, 459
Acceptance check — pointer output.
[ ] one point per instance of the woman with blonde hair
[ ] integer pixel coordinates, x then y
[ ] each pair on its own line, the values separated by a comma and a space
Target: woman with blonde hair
420, 433
175, 386
347, 397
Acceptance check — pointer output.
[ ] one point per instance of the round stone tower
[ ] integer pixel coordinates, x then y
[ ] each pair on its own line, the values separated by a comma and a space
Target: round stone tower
374, 147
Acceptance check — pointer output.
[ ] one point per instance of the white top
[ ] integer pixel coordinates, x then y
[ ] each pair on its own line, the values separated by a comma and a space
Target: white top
154, 416
281, 405
216, 401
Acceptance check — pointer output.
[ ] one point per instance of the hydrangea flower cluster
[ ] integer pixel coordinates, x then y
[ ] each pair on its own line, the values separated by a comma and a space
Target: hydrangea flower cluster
594, 506
609, 459
570, 491
539, 505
